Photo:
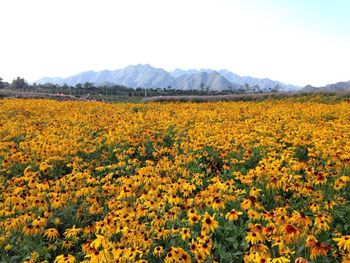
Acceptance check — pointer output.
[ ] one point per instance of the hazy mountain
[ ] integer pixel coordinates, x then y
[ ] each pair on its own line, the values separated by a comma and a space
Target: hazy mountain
91, 76
59, 81
143, 76
87, 76
146, 76
264, 84
309, 88
134, 76
203, 80
180, 72
340, 86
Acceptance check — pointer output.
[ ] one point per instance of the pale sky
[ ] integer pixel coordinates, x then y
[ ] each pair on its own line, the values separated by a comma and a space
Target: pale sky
294, 41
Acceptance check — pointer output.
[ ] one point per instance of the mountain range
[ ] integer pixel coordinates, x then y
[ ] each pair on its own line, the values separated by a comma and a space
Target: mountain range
146, 76
339, 86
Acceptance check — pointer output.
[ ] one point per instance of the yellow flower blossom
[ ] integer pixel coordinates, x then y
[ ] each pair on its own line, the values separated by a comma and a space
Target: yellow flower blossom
51, 233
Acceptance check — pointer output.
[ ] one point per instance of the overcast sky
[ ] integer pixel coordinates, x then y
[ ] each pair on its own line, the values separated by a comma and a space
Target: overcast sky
295, 41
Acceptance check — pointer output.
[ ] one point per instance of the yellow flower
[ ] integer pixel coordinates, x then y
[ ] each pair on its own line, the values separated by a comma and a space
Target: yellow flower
254, 238
255, 192
246, 204
322, 222
29, 229
99, 256
158, 251
72, 232
193, 219
218, 203
51, 233
280, 260
311, 241
262, 259
343, 242
65, 258
209, 222
329, 204
301, 260
100, 241
8, 247
34, 256
200, 257
233, 215
67, 244
185, 233
56, 221
252, 214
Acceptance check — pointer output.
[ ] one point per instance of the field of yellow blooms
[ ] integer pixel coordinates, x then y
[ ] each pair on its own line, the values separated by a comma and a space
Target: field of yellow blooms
174, 182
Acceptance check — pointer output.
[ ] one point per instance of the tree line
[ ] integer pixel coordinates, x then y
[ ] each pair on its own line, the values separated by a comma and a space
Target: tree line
89, 89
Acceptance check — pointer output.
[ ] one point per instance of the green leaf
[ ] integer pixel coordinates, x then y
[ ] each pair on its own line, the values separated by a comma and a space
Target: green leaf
231, 239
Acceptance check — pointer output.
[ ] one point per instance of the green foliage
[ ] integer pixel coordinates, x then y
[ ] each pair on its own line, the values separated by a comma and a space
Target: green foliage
301, 153
229, 242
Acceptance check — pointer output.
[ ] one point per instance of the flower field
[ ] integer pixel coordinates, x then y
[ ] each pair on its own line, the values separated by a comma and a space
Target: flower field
174, 182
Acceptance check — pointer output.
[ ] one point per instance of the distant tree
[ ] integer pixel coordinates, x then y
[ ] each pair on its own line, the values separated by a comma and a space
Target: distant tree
35, 87
247, 87
19, 83
78, 89
2, 84
202, 86
66, 88
88, 85
242, 90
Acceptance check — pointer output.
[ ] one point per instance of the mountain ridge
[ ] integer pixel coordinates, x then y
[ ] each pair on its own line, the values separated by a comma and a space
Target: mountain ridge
335, 87
146, 76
